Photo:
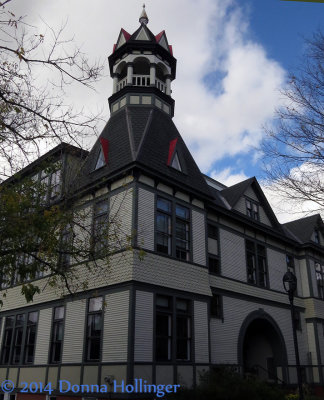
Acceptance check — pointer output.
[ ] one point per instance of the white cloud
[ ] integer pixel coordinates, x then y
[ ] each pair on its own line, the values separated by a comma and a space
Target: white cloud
227, 177
209, 37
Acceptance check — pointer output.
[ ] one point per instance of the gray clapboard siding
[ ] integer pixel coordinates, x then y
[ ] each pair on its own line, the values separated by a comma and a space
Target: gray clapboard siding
201, 332
43, 336
145, 234
198, 237
120, 218
115, 331
232, 250
251, 194
304, 278
74, 331
164, 271
240, 206
263, 217
277, 267
224, 336
313, 278
311, 342
144, 326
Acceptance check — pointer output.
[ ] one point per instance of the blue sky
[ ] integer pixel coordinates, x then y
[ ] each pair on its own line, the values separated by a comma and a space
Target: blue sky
280, 27
233, 57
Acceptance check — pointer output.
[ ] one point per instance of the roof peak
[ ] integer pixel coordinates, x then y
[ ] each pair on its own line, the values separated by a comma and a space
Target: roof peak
143, 19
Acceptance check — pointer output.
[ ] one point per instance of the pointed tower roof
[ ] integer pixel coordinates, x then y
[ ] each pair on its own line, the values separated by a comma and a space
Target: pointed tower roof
143, 19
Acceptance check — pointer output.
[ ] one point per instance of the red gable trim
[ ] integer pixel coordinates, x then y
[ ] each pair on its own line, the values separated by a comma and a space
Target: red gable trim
158, 37
114, 48
105, 148
171, 50
172, 147
126, 34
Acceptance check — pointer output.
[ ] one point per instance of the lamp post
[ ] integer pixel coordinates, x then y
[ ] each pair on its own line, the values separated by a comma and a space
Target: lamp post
289, 281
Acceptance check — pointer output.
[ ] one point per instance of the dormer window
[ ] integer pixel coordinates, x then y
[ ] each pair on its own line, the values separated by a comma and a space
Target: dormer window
176, 162
101, 160
252, 209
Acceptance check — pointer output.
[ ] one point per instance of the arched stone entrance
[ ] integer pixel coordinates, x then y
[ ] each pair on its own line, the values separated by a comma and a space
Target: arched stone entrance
261, 347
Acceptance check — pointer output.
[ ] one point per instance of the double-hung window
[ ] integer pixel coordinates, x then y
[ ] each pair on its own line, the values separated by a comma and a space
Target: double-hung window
100, 225
163, 226
30, 341
319, 271
256, 264
19, 338
172, 229
172, 329
94, 329
213, 250
182, 233
7, 339
57, 335
252, 209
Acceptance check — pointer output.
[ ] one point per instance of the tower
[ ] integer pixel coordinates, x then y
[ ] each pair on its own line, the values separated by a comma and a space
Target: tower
142, 67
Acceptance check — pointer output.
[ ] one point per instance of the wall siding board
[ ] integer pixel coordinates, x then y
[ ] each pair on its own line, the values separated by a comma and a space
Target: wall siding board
224, 335
145, 234
74, 332
168, 272
43, 336
115, 331
121, 219
144, 327
201, 332
251, 194
304, 278
313, 278
198, 237
277, 267
232, 250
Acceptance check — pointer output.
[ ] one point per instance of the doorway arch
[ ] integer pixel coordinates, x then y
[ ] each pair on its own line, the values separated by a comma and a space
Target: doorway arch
261, 347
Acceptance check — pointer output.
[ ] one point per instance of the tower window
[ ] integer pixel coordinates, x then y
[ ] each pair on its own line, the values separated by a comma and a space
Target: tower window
176, 162
101, 160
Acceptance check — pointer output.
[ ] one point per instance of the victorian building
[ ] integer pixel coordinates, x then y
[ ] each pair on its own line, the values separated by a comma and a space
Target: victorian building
201, 285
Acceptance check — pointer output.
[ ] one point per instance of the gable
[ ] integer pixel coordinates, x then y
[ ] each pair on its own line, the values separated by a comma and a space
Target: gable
161, 39
122, 38
142, 35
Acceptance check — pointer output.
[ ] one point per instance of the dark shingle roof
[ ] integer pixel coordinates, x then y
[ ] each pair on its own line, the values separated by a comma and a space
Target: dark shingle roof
141, 136
233, 193
303, 228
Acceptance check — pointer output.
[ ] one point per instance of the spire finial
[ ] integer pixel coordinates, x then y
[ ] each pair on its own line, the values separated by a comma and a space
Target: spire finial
143, 18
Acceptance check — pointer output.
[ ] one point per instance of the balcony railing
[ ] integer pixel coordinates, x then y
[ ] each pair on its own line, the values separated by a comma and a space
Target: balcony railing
142, 80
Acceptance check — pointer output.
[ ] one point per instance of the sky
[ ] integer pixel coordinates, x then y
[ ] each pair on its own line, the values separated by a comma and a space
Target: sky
233, 57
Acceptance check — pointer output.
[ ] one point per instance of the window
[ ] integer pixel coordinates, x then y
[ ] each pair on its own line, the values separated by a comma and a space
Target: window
252, 209
216, 306
30, 341
319, 270
175, 242
66, 246
316, 236
163, 328
176, 162
55, 189
94, 329
256, 264
101, 160
163, 226
213, 256
182, 233
7, 339
18, 338
173, 329
100, 225
290, 264
57, 335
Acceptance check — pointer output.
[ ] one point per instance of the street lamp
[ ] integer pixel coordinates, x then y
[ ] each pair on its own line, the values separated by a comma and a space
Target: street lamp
289, 281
